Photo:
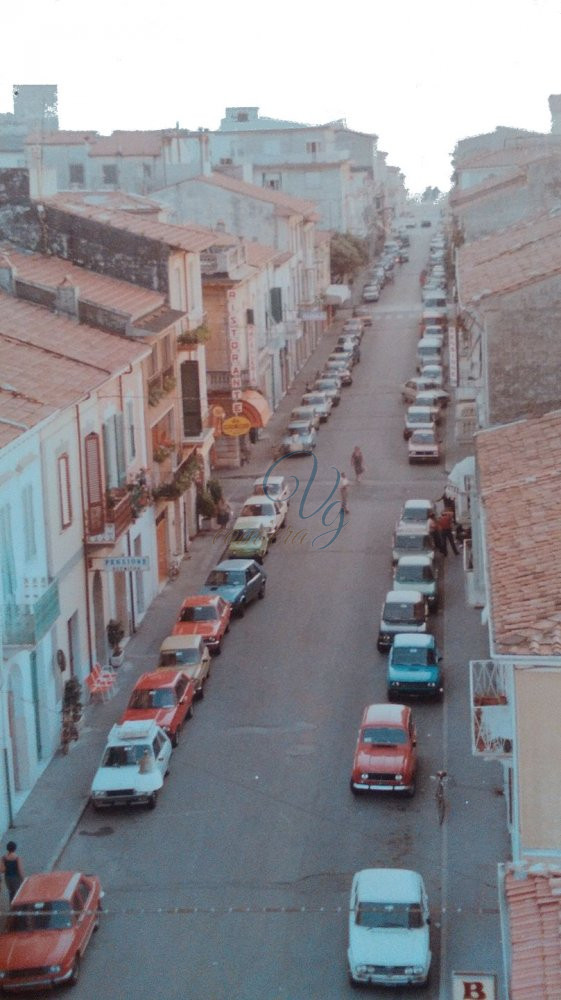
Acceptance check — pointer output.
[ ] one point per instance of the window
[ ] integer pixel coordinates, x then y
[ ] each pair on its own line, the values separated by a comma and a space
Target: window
130, 430
313, 147
242, 116
153, 362
109, 173
76, 173
146, 170
94, 485
64, 495
28, 522
276, 304
114, 451
7, 566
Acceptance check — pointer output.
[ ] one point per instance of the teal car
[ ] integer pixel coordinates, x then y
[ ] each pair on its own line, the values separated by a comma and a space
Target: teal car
238, 581
414, 669
249, 540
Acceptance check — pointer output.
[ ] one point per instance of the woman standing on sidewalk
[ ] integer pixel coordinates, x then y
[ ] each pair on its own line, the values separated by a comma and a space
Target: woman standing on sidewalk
12, 869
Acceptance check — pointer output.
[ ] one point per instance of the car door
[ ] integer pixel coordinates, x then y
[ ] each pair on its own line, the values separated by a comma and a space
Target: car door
161, 752
252, 582
182, 701
85, 914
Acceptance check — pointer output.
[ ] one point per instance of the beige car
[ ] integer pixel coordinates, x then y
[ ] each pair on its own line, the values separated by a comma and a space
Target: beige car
188, 653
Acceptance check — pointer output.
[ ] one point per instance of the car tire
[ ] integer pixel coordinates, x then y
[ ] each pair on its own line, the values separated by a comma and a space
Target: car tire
352, 981
411, 791
190, 711
217, 649
174, 738
75, 974
201, 691
261, 593
241, 610
153, 800
355, 791
98, 914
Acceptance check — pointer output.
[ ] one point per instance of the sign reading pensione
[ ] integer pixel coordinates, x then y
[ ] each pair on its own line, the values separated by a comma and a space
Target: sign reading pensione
474, 986
115, 564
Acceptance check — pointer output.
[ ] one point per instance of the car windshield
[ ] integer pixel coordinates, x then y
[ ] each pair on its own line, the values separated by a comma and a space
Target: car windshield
124, 756
412, 543
414, 574
158, 698
414, 514
55, 915
179, 657
406, 916
410, 656
273, 489
423, 437
407, 614
220, 577
245, 535
198, 613
315, 400
383, 736
258, 510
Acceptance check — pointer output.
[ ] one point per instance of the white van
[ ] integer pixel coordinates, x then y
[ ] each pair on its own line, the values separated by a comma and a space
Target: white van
429, 352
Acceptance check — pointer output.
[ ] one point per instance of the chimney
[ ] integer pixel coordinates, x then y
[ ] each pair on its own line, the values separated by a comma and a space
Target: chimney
67, 295
555, 111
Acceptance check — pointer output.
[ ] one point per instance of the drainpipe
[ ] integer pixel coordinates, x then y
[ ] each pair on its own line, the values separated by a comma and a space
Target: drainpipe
84, 541
129, 550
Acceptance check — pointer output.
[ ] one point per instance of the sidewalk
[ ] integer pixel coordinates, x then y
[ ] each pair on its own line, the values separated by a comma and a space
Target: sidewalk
54, 807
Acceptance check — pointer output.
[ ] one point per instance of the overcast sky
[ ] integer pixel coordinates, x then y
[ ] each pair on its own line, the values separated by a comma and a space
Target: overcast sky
420, 74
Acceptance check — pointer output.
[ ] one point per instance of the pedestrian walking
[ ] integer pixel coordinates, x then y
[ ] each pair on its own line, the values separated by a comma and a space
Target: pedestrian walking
357, 462
448, 502
12, 869
223, 511
444, 525
344, 492
432, 525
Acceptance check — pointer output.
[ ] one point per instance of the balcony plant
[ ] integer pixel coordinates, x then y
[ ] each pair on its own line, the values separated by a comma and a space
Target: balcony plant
72, 699
206, 508
140, 494
155, 394
115, 634
214, 487
163, 451
169, 383
189, 339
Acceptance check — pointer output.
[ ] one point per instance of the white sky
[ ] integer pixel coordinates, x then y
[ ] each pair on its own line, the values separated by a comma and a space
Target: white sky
419, 73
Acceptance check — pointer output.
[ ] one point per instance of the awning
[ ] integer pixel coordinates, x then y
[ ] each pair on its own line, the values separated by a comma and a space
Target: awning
336, 295
459, 476
256, 408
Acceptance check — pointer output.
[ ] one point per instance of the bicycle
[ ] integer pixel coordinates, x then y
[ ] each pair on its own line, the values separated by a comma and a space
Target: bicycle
440, 796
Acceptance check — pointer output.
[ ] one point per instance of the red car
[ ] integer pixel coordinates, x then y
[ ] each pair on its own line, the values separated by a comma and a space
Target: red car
207, 615
386, 751
52, 920
166, 696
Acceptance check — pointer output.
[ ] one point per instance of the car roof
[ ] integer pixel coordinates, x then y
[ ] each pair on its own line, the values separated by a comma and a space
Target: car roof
299, 423
185, 641
412, 528
389, 885
47, 886
419, 639
385, 713
431, 340
421, 558
228, 564
270, 479
196, 599
164, 677
403, 596
258, 498
418, 502
419, 409
128, 732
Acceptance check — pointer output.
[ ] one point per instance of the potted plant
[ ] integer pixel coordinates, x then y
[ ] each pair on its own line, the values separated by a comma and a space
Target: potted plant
214, 487
72, 700
115, 633
206, 509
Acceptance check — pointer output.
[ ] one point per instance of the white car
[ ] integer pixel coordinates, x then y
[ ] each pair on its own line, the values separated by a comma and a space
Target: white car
190, 654
274, 487
416, 511
434, 373
389, 918
306, 413
320, 401
423, 446
270, 513
133, 767
417, 418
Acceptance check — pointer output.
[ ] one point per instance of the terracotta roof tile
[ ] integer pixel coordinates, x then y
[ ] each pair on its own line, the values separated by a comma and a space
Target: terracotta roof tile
527, 151
519, 468
62, 137
115, 200
534, 917
285, 204
517, 256
509, 178
124, 143
259, 255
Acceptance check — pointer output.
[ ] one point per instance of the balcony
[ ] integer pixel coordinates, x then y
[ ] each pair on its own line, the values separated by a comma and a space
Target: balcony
492, 724
220, 381
118, 518
25, 624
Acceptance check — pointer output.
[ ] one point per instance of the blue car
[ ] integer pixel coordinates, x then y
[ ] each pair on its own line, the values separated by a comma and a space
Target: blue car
238, 581
414, 669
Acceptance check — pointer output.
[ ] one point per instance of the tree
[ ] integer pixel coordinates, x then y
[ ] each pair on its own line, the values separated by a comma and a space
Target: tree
431, 194
348, 254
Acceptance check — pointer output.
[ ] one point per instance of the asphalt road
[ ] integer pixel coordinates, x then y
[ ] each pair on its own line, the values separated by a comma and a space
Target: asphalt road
256, 827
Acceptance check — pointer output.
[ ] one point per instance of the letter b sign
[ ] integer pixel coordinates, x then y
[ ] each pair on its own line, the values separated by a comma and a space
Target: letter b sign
474, 986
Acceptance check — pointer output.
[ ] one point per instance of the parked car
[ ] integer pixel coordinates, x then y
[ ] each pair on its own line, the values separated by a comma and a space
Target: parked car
348, 340
424, 446
207, 615
413, 539
414, 669
385, 757
49, 926
402, 611
417, 418
341, 369
274, 487
416, 510
432, 399
270, 513
363, 313
349, 354
371, 293
164, 696
300, 438
413, 386
331, 387
188, 653
389, 918
402, 256
433, 373
306, 413
238, 581
133, 766
418, 572
429, 352
354, 325
320, 401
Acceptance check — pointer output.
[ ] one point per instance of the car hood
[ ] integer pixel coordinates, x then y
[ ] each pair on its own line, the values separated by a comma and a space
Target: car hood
195, 628
231, 592
390, 946
115, 779
390, 759
163, 717
29, 950
415, 675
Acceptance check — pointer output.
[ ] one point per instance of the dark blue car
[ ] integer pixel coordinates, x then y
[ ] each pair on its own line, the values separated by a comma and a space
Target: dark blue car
238, 581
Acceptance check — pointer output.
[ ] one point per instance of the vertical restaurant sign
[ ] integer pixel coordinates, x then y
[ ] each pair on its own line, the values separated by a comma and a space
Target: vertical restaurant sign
235, 353
252, 354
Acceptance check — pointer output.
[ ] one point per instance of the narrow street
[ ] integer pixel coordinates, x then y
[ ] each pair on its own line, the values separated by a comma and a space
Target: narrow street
257, 828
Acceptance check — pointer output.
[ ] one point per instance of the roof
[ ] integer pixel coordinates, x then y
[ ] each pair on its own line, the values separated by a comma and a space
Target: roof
391, 885
114, 200
418, 502
46, 886
284, 203
513, 155
421, 557
259, 255
182, 641
62, 137
111, 293
124, 143
413, 638
384, 712
520, 481
192, 239
509, 177
533, 896
521, 255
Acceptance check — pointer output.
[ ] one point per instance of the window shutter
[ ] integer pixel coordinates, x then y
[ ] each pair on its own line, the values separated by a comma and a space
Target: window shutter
130, 429
276, 304
119, 425
7, 565
94, 485
29, 523
64, 494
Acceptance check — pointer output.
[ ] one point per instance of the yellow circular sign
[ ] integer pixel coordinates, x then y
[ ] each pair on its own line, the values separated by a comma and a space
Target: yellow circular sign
236, 426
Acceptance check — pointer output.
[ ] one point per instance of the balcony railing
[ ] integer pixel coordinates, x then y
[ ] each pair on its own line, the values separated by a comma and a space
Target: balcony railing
118, 517
25, 624
220, 381
492, 723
